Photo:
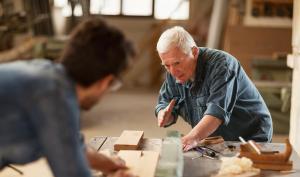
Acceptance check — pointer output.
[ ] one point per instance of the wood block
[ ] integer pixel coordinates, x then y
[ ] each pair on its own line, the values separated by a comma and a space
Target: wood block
97, 142
274, 166
129, 140
140, 163
212, 140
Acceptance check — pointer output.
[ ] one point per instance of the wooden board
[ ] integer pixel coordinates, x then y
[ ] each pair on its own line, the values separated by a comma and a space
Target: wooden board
273, 166
129, 140
38, 168
97, 142
207, 167
246, 43
245, 174
140, 163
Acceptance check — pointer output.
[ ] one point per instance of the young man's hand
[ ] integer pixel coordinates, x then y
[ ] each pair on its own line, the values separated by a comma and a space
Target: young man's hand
118, 163
165, 115
104, 163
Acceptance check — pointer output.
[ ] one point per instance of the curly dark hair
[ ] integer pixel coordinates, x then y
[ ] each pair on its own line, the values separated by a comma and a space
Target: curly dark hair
94, 51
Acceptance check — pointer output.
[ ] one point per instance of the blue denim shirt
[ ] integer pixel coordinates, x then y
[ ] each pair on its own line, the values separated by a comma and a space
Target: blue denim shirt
221, 89
39, 116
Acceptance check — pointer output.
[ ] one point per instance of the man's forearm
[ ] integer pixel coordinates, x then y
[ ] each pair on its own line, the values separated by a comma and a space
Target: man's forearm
205, 127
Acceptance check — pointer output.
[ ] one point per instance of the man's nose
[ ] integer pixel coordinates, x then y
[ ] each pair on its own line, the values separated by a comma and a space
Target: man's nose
173, 70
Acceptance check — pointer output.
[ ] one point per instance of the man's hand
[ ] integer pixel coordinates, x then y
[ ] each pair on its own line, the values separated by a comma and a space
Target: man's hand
207, 125
189, 141
165, 115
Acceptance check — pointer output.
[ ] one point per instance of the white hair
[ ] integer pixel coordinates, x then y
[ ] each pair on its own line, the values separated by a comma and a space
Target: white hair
176, 36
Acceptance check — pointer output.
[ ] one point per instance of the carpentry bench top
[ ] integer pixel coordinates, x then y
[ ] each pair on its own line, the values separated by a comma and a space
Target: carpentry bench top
202, 166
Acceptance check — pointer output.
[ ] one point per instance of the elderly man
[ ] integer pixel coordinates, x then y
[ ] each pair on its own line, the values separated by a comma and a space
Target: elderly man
210, 90
40, 102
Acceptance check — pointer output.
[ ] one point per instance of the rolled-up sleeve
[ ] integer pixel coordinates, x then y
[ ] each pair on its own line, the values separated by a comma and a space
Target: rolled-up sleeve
223, 94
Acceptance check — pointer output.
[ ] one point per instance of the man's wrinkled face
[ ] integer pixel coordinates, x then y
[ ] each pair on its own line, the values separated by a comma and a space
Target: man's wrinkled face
178, 64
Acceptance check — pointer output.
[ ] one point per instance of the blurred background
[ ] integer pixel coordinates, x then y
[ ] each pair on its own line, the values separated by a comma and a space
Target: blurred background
264, 35
257, 32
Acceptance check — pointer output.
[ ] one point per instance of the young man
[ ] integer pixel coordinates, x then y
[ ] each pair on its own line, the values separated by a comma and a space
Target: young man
210, 90
40, 101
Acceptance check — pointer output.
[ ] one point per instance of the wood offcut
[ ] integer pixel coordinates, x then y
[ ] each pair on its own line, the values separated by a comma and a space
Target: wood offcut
129, 140
211, 140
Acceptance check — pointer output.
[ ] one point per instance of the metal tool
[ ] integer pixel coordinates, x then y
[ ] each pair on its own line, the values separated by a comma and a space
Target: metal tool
205, 152
211, 150
203, 155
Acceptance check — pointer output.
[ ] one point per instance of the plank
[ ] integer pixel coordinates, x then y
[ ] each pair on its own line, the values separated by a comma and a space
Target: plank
245, 174
129, 140
38, 168
97, 142
140, 163
273, 166
207, 167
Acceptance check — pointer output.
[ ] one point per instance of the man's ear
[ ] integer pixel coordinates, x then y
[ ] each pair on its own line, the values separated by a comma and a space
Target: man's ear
195, 51
105, 82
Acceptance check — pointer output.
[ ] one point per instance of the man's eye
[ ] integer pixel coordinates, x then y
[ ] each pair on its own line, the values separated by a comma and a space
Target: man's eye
176, 63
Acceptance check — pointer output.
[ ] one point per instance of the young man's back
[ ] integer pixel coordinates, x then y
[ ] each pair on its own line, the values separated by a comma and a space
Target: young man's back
40, 117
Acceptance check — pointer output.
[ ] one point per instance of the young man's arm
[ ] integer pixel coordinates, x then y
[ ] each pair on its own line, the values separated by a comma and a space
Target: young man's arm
54, 114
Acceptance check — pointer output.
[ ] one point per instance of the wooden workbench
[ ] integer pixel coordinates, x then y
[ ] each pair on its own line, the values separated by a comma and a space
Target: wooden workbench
202, 166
